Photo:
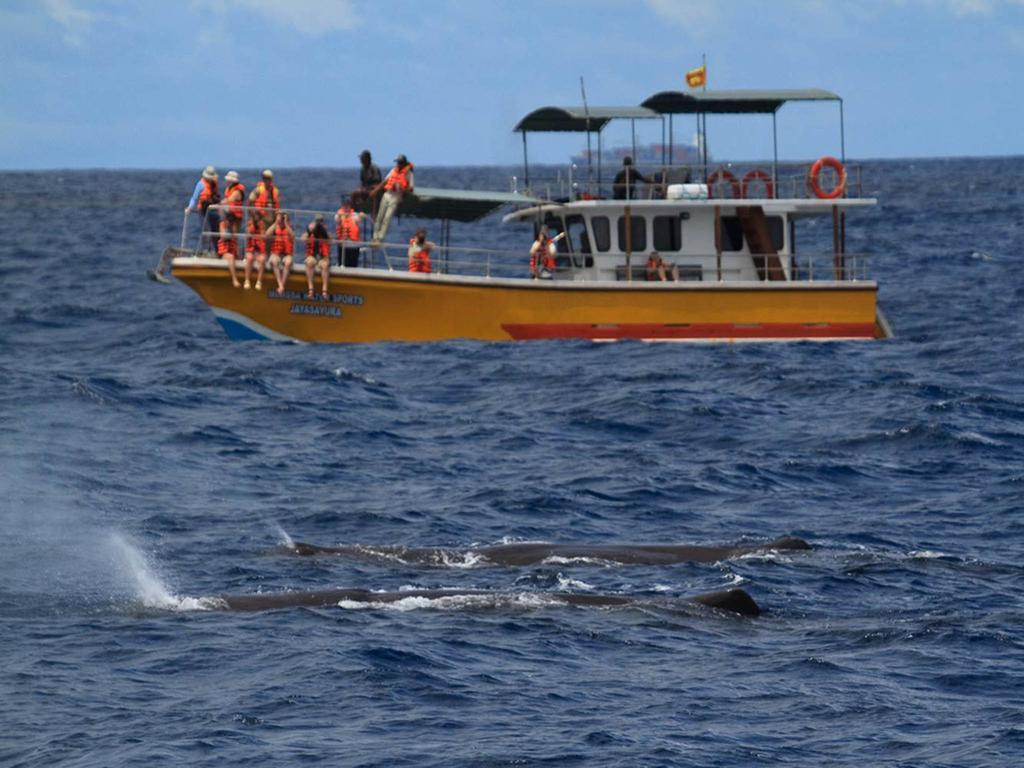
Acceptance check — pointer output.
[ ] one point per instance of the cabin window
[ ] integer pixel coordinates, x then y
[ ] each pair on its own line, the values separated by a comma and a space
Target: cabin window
579, 240
638, 232
732, 234
602, 232
777, 230
667, 232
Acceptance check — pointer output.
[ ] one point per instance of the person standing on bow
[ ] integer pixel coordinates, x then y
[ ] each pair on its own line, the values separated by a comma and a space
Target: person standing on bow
419, 252
346, 222
318, 255
398, 183
369, 178
282, 242
233, 207
204, 195
542, 255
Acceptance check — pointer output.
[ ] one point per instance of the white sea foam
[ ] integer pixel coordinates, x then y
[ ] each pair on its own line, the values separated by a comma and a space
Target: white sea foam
283, 536
526, 600
926, 554
566, 583
560, 560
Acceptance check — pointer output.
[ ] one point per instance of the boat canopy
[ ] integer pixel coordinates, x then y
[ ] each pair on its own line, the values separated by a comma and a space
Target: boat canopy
580, 119
463, 205
737, 102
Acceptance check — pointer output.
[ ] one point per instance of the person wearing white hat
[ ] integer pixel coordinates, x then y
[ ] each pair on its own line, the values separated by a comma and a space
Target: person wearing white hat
204, 195
233, 207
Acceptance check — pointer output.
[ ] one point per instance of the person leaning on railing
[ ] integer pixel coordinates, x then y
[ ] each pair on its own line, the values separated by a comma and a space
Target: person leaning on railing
318, 255
542, 255
419, 252
369, 178
626, 179
282, 242
204, 195
346, 222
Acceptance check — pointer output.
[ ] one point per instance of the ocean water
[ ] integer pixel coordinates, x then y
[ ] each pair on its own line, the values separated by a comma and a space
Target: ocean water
148, 464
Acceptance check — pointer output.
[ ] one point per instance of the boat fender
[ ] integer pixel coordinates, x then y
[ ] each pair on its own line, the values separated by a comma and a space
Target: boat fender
815, 186
757, 173
727, 175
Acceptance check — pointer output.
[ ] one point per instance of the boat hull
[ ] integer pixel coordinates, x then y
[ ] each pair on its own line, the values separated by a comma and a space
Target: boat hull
374, 305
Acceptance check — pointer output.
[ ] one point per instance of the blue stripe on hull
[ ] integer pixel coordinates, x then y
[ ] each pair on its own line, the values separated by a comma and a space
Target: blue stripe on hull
238, 332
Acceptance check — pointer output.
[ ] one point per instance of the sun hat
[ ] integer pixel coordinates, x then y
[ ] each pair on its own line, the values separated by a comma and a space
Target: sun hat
231, 176
267, 174
401, 159
209, 172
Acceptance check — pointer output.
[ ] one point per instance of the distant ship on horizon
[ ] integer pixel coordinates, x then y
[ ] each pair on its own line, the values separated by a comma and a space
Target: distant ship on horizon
646, 154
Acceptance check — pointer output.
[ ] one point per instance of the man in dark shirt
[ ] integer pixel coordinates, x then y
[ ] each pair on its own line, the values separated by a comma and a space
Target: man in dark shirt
626, 179
369, 177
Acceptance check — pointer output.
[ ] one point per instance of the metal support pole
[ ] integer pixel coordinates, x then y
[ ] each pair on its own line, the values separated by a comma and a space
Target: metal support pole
598, 163
671, 151
526, 164
775, 158
842, 134
718, 240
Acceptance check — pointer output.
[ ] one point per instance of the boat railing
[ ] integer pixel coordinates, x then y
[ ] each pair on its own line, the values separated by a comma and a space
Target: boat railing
750, 181
476, 261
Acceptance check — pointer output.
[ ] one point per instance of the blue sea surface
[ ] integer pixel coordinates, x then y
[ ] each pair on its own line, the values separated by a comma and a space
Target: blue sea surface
148, 464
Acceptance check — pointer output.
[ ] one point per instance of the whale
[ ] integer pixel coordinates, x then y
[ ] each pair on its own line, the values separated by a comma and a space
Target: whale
734, 601
533, 553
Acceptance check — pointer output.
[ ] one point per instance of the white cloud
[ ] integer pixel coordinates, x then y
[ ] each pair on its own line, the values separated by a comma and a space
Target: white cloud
309, 17
696, 16
75, 21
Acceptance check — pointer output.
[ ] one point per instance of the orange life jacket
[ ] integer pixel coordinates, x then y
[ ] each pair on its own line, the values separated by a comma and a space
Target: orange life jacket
545, 257
209, 194
256, 242
419, 260
267, 196
398, 178
348, 224
317, 245
235, 206
652, 269
282, 241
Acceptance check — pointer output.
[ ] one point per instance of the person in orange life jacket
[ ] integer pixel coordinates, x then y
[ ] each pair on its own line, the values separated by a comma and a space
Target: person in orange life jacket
542, 255
204, 195
318, 254
398, 183
282, 242
659, 269
419, 252
255, 250
266, 198
346, 222
232, 206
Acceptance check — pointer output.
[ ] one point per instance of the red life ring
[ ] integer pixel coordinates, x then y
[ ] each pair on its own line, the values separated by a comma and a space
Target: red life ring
812, 178
757, 173
726, 174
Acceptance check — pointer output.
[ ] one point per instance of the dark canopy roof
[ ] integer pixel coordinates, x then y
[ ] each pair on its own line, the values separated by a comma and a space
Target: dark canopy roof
579, 119
732, 102
458, 204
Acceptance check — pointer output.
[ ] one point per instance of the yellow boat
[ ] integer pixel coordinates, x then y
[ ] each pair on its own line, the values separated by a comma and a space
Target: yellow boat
733, 249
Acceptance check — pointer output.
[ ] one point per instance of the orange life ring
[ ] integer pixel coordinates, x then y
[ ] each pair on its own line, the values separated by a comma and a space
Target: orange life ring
812, 178
726, 174
757, 173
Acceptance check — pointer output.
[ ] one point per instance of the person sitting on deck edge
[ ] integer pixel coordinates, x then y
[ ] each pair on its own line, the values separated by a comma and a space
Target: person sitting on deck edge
369, 178
282, 243
419, 252
398, 183
318, 255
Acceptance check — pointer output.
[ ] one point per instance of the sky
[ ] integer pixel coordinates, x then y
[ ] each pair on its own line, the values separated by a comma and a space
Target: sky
285, 83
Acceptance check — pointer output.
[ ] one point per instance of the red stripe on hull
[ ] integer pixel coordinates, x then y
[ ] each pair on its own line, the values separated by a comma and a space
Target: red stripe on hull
536, 331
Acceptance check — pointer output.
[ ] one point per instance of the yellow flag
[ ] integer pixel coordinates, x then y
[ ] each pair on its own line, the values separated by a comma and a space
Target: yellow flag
695, 78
